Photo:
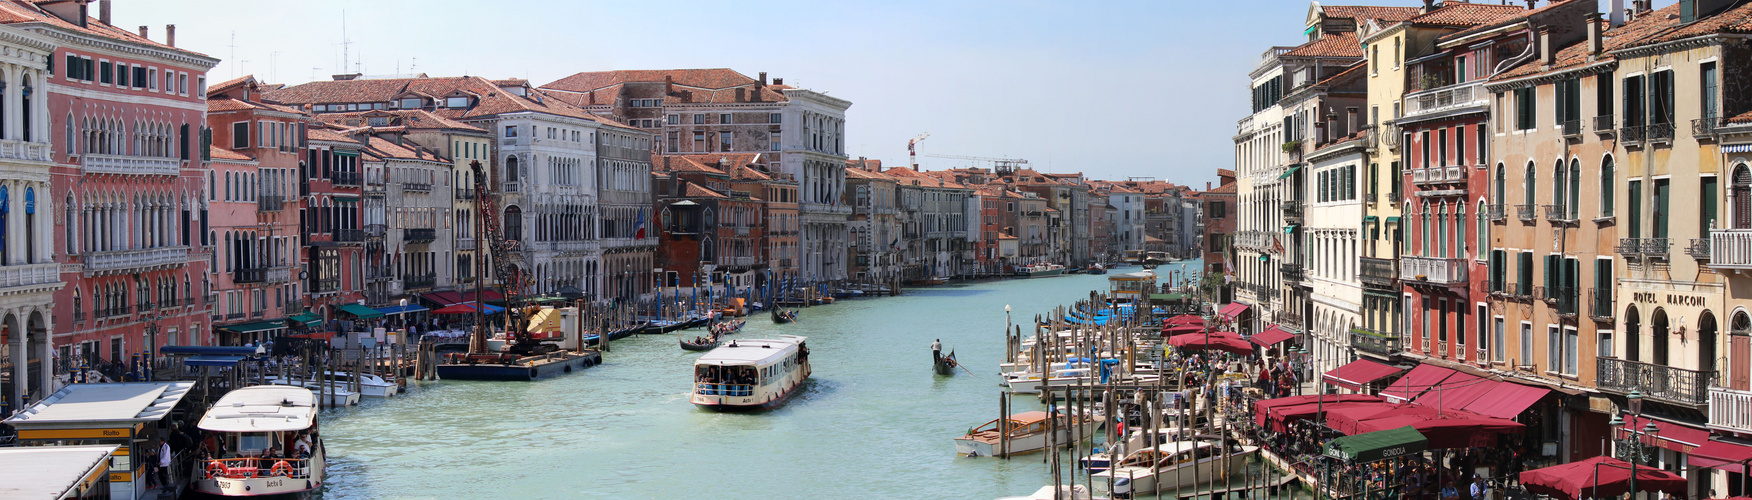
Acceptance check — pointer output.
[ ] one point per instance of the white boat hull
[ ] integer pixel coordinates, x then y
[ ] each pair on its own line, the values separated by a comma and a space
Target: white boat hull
1142, 480
303, 481
969, 445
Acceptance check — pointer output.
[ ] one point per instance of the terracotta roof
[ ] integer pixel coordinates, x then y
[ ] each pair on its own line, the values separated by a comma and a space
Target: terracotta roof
221, 87
1632, 33
17, 11
1223, 189
1465, 15
323, 133
858, 173
746, 173
410, 119
219, 153
491, 100
867, 164
1741, 118
1223, 172
677, 163
1361, 12
698, 191
1737, 20
713, 159
1521, 15
381, 148
714, 78
1342, 44
222, 103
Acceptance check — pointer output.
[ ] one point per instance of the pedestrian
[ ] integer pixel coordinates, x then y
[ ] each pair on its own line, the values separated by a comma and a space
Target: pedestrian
1480, 491
164, 460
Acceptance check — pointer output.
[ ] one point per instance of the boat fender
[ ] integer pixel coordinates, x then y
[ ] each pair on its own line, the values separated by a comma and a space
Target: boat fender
281, 468
216, 468
308, 486
532, 373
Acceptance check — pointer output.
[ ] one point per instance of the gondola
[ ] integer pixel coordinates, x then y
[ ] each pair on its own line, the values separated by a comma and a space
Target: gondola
943, 364
728, 327
709, 344
628, 331
782, 315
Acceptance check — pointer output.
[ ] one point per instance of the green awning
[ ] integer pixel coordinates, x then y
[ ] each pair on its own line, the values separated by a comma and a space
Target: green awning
1170, 297
1290, 172
1370, 219
1291, 229
1392, 220
1378, 445
361, 312
254, 327
306, 318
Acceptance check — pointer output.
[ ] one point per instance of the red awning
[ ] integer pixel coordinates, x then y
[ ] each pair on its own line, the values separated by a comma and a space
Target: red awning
1459, 390
1262, 408
1677, 437
1598, 477
1507, 400
1356, 374
444, 298
1185, 318
1281, 416
1345, 421
1420, 379
1219, 341
1172, 330
314, 335
486, 295
1232, 310
1451, 430
1271, 336
1721, 455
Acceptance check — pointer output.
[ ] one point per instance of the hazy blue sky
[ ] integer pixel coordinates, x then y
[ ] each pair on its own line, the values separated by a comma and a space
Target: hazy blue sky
1111, 89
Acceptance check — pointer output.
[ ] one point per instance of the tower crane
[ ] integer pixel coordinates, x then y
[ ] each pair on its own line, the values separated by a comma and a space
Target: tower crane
1002, 166
912, 153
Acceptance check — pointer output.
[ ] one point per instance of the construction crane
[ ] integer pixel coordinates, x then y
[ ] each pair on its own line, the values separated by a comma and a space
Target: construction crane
1001, 166
913, 153
510, 280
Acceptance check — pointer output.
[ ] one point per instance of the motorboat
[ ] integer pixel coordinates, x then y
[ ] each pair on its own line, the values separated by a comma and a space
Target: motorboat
1171, 466
266, 443
335, 394
1041, 270
1134, 439
750, 374
1066, 492
1027, 431
370, 384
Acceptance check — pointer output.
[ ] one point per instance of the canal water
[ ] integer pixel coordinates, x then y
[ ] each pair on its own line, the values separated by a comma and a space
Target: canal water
872, 422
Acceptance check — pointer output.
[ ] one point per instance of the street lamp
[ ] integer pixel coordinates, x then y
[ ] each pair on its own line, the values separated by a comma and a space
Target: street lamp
1631, 445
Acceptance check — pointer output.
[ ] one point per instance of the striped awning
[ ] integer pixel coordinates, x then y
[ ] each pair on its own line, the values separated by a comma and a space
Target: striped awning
1737, 148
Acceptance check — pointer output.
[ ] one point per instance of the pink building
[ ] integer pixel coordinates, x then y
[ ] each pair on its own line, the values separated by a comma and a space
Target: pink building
254, 217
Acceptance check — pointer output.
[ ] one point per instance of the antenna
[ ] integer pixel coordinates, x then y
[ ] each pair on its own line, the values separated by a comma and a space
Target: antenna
233, 56
274, 65
345, 42
313, 70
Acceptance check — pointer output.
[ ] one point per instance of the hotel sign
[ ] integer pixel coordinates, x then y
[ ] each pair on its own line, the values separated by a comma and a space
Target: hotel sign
1671, 299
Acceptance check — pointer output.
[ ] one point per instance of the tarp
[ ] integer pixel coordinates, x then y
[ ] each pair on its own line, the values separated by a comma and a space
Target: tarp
1507, 400
1452, 432
361, 312
213, 360
1271, 336
1375, 446
254, 327
1416, 382
1262, 408
307, 318
1459, 390
1232, 310
468, 308
1356, 374
545, 320
401, 309
1677, 437
1599, 477
1721, 455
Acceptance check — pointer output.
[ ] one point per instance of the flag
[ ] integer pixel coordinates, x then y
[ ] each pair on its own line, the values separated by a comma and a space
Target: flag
895, 244
639, 226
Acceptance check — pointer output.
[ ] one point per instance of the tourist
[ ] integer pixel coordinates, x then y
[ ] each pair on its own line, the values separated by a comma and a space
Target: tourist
1480, 491
164, 459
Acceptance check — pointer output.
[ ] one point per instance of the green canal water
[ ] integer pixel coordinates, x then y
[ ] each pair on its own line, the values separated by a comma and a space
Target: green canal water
872, 422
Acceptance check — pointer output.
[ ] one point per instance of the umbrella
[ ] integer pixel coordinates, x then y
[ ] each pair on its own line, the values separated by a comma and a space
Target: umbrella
1598, 477
1220, 341
468, 308
1263, 407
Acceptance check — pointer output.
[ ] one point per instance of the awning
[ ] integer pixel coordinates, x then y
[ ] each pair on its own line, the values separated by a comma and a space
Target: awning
361, 312
1290, 229
1345, 420
1453, 429
1370, 219
1271, 336
489, 295
1393, 220
1598, 477
1218, 341
1356, 374
259, 326
1262, 408
1233, 310
401, 309
1420, 379
1721, 455
1172, 330
468, 308
443, 298
1282, 415
1459, 390
314, 335
1168, 297
213, 360
1185, 318
1376, 446
1677, 437
1289, 172
1507, 400
306, 318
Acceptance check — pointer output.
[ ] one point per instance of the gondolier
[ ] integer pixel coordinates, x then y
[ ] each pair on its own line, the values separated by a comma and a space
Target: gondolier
936, 348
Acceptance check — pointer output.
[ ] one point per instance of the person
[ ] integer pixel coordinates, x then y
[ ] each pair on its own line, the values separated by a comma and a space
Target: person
1449, 492
303, 445
937, 348
1479, 489
164, 458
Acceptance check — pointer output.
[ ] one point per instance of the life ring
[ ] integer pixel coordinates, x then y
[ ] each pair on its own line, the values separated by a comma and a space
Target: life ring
216, 468
281, 468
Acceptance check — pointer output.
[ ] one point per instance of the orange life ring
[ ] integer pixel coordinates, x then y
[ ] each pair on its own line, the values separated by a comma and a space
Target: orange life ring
216, 468
281, 468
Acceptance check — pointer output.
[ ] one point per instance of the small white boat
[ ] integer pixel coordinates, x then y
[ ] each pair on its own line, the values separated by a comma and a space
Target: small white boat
268, 443
1135, 439
1067, 492
1170, 466
335, 395
370, 384
1039, 270
1027, 433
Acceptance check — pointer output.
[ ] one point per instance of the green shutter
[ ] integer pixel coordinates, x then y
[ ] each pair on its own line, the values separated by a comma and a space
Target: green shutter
1709, 206
1663, 191
1635, 201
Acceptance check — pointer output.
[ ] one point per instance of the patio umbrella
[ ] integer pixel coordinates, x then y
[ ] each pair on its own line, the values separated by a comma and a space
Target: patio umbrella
468, 308
1598, 477
1218, 341
1263, 407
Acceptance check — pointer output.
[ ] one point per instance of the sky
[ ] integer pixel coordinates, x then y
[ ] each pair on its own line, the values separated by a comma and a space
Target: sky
1112, 89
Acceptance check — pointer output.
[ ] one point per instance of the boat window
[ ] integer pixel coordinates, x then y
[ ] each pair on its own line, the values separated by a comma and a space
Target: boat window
251, 443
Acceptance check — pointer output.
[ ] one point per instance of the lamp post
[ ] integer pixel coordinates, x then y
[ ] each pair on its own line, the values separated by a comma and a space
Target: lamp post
1631, 444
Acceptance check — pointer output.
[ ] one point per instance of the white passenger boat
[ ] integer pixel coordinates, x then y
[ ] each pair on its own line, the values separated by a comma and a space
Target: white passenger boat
1039, 270
750, 374
1066, 492
337, 394
1027, 431
1171, 466
268, 443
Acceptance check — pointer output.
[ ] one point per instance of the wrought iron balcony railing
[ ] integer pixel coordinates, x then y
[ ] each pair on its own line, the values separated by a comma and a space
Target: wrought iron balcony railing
419, 234
1698, 249
1603, 124
1631, 134
1572, 128
1527, 212
1659, 382
1601, 304
1380, 272
1367, 340
344, 178
1660, 132
1495, 212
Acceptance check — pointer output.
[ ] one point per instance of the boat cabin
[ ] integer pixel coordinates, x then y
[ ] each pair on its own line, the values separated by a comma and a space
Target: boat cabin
1020, 424
740, 367
261, 431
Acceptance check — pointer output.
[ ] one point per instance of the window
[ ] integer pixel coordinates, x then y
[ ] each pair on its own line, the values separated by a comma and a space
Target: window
1708, 74
457, 102
1441, 147
1460, 146
1603, 97
140, 77
775, 118
121, 75
1707, 193
1606, 187
724, 118
699, 139
1661, 97
1526, 108
239, 135
1424, 156
1496, 340
106, 72
724, 140
1483, 146
1531, 184
1662, 196
1216, 209
409, 103
1604, 344
699, 119
1569, 103
1525, 271
1553, 348
510, 131
152, 79
1526, 358
1634, 101
1635, 215
673, 119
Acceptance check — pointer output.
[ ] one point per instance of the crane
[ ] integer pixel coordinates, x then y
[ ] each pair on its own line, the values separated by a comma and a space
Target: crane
499, 247
1002, 166
912, 153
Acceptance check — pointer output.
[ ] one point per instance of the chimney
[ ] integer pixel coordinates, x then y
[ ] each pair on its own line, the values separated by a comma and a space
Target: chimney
1207, 185
592, 97
143, 33
668, 84
741, 94
1593, 20
103, 11
763, 78
1429, 5
170, 35
1530, 4
1350, 121
778, 81
1546, 52
1617, 13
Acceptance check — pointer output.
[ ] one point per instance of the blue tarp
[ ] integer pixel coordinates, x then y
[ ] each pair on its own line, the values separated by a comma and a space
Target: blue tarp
399, 309
213, 360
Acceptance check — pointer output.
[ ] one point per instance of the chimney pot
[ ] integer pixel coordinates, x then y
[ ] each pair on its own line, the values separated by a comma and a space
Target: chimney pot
1350, 121
170, 35
778, 81
1593, 20
668, 84
143, 32
1617, 13
103, 11
741, 94
1546, 52
763, 78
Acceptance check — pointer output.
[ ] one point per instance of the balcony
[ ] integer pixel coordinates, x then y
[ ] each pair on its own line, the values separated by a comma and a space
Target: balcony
737, 261
420, 281
417, 186
129, 165
1290, 319
20, 150
1495, 212
1379, 343
1707, 128
1698, 249
269, 202
1521, 290
1631, 135
1527, 212
464, 194
1562, 299
279, 274
375, 230
1730, 249
349, 235
1379, 272
134, 261
1557, 213
250, 275
784, 262
327, 285
23, 275
1603, 124
1654, 248
1660, 132
1730, 409
419, 234
1658, 382
1292, 272
1600, 305
1572, 129
465, 244
344, 178
1292, 211
1435, 270
1449, 98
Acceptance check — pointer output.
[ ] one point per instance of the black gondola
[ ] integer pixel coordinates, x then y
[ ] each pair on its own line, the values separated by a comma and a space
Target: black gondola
727, 327
943, 364
627, 332
782, 315
709, 344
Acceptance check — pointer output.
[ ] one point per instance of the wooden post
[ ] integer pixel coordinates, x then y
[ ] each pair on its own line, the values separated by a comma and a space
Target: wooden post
1004, 424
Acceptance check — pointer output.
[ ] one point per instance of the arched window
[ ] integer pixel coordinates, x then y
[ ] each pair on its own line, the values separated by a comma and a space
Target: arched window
1558, 183
1424, 230
1742, 196
1575, 189
513, 223
1459, 230
1606, 185
1531, 186
1501, 196
30, 250
1632, 334
511, 169
1483, 230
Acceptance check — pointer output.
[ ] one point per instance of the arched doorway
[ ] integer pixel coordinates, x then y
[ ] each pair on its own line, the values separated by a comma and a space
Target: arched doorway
1632, 334
1658, 336
1706, 342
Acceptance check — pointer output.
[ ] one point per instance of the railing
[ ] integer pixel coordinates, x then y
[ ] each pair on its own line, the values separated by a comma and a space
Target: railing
419, 234
465, 194
1366, 340
1527, 212
1291, 271
279, 274
234, 315
1654, 247
1370, 196
129, 165
1444, 98
269, 202
1519, 289
1292, 211
1438, 270
1495, 212
465, 244
1556, 213
250, 275
1563, 299
1698, 249
29, 275
349, 235
1659, 382
20, 150
1601, 304
1730, 249
1730, 409
78, 315
732, 390
1660, 132
784, 262
1379, 271
1706, 128
1631, 134
375, 230
1572, 128
737, 261
1603, 124
246, 468
416, 186
326, 285
134, 260
344, 178
420, 281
